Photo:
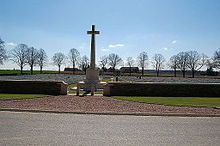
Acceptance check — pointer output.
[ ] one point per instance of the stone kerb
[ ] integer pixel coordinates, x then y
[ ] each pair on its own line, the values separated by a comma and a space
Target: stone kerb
163, 89
33, 87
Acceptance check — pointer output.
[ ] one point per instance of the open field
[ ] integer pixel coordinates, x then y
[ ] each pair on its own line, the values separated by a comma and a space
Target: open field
176, 101
18, 72
21, 96
25, 72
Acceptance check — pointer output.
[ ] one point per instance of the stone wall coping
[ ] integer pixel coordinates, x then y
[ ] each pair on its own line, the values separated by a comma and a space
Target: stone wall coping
52, 81
168, 83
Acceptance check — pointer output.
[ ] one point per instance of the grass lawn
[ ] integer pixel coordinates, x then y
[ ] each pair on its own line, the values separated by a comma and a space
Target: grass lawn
178, 101
21, 96
25, 71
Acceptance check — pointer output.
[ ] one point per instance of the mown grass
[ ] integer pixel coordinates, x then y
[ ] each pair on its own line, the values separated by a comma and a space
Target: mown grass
176, 101
21, 96
26, 72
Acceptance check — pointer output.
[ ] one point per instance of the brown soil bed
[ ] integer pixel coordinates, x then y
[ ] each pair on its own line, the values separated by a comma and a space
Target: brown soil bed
70, 103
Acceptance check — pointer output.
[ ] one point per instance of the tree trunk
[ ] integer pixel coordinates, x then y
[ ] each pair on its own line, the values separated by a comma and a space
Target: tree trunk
157, 73
41, 69
31, 69
21, 69
73, 67
193, 73
174, 72
113, 71
103, 70
130, 71
184, 73
142, 71
59, 68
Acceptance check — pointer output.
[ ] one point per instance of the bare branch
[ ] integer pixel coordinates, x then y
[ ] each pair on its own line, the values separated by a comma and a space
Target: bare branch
42, 59
158, 61
19, 55
32, 57
216, 59
114, 60
142, 61
173, 63
84, 63
3, 55
58, 59
182, 62
74, 57
195, 61
103, 61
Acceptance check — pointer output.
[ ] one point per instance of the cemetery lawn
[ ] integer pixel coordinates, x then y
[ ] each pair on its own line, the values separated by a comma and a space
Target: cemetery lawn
26, 72
21, 96
176, 101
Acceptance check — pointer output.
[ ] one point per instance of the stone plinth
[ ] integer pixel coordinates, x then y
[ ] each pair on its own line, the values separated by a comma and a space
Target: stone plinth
89, 86
92, 82
92, 75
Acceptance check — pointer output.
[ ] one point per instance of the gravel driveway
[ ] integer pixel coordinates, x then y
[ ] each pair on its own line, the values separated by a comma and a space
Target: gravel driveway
71, 103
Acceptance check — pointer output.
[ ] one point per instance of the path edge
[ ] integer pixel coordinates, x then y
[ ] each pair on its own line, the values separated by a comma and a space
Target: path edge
110, 113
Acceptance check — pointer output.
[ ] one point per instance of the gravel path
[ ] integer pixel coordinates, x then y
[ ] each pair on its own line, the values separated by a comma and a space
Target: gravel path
71, 103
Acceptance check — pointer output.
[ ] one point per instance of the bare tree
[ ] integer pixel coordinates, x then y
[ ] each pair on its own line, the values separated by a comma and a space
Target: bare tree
142, 61
103, 62
210, 65
182, 62
114, 60
216, 59
58, 59
32, 57
74, 56
3, 55
195, 61
42, 58
84, 63
19, 55
130, 63
157, 62
173, 63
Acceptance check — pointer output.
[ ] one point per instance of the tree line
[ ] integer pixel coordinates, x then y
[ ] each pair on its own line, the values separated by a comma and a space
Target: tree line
23, 55
191, 60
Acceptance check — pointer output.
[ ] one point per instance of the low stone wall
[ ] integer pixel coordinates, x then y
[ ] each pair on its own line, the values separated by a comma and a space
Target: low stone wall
33, 87
163, 89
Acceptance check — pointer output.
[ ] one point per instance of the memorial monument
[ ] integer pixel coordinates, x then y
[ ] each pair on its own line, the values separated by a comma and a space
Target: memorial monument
92, 82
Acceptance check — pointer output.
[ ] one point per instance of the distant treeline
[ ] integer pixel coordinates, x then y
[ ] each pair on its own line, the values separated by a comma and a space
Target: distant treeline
182, 62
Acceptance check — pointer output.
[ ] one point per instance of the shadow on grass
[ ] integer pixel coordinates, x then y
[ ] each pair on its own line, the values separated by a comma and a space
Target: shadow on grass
175, 101
21, 96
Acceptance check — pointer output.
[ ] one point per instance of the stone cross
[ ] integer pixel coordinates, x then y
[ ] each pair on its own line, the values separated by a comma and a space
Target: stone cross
92, 58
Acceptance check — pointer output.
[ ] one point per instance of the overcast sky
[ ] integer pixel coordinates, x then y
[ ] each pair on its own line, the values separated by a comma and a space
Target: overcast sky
127, 27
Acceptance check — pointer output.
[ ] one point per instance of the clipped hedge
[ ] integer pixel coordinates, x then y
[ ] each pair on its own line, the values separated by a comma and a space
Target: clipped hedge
33, 87
168, 89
